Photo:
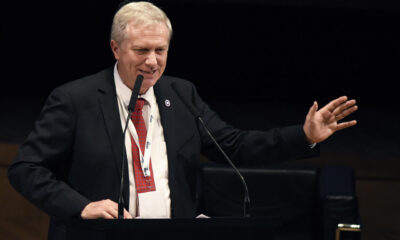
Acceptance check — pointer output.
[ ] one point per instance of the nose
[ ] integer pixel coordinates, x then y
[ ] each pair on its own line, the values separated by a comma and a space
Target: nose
151, 59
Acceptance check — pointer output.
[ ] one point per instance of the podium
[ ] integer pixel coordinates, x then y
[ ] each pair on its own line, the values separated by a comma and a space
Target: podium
199, 228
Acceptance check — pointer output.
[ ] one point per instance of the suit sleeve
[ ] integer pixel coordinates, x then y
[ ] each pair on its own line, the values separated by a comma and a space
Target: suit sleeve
38, 172
251, 147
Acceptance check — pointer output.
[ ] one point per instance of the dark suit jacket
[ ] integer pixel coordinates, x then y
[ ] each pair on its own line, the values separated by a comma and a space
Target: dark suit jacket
73, 156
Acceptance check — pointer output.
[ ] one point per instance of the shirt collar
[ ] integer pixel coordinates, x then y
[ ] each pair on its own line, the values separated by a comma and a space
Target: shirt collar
125, 92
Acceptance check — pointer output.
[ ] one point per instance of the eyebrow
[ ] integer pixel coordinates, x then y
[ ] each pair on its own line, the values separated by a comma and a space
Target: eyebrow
143, 47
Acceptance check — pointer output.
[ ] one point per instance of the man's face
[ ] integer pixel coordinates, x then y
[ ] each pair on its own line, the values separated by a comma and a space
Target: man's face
144, 52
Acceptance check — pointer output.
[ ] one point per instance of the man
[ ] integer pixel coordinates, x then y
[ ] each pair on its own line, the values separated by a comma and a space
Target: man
70, 165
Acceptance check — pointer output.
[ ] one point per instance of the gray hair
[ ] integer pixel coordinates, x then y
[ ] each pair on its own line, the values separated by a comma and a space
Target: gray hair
139, 13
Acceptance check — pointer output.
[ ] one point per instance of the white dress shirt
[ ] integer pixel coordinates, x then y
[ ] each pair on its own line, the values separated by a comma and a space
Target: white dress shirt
155, 204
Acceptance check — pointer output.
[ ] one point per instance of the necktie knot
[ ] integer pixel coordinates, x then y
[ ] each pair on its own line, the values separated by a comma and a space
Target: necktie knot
139, 104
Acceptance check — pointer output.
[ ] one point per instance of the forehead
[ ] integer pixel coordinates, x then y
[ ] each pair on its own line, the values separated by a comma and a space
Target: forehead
155, 33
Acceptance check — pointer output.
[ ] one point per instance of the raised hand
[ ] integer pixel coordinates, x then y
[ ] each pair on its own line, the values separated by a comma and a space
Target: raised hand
321, 124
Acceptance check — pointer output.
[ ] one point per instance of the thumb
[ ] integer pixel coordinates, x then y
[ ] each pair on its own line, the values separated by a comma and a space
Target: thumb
313, 108
127, 215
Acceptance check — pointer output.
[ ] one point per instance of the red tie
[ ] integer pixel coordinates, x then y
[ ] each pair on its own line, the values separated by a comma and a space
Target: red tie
143, 184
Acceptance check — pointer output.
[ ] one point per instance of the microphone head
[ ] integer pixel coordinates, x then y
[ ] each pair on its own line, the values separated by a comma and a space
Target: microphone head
139, 78
135, 92
138, 84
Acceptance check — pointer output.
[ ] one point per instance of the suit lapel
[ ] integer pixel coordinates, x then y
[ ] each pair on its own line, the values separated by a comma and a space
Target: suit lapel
166, 100
109, 106
178, 129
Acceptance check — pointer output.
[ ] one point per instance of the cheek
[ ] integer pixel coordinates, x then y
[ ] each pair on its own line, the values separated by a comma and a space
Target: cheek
132, 59
162, 59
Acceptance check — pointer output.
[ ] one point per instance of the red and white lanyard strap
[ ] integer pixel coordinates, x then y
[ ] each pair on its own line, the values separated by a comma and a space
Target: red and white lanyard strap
144, 158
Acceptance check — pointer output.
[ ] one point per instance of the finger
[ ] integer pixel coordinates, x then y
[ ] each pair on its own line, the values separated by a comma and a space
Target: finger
111, 208
332, 105
344, 125
106, 215
109, 204
313, 109
346, 112
112, 212
344, 106
127, 215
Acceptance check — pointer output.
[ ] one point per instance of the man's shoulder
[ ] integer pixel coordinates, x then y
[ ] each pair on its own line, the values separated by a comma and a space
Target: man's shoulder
91, 81
88, 85
171, 80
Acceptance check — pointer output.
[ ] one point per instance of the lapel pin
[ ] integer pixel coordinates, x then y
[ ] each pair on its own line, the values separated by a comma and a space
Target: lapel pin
167, 103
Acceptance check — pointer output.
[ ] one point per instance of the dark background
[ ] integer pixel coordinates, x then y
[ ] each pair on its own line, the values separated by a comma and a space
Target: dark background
259, 64
259, 50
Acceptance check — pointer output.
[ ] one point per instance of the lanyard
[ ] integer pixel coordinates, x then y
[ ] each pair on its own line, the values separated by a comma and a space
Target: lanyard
144, 158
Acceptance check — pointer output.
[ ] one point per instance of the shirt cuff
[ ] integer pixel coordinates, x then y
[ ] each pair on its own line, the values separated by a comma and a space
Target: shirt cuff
312, 145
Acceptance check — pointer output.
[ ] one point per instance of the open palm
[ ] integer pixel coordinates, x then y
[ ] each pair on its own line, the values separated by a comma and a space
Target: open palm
321, 124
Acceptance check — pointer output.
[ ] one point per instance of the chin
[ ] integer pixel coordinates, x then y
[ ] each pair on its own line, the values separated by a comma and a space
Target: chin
148, 83
151, 80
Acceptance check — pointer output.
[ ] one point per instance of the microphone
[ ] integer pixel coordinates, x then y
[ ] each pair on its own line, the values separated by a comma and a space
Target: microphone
195, 112
131, 108
135, 93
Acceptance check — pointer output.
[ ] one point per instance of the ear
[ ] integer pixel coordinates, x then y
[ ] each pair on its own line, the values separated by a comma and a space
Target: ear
115, 49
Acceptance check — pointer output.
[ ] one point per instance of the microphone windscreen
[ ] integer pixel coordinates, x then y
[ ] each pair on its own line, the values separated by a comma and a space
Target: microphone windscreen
135, 93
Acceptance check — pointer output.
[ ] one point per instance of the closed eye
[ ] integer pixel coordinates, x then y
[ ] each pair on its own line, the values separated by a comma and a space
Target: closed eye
141, 50
160, 50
